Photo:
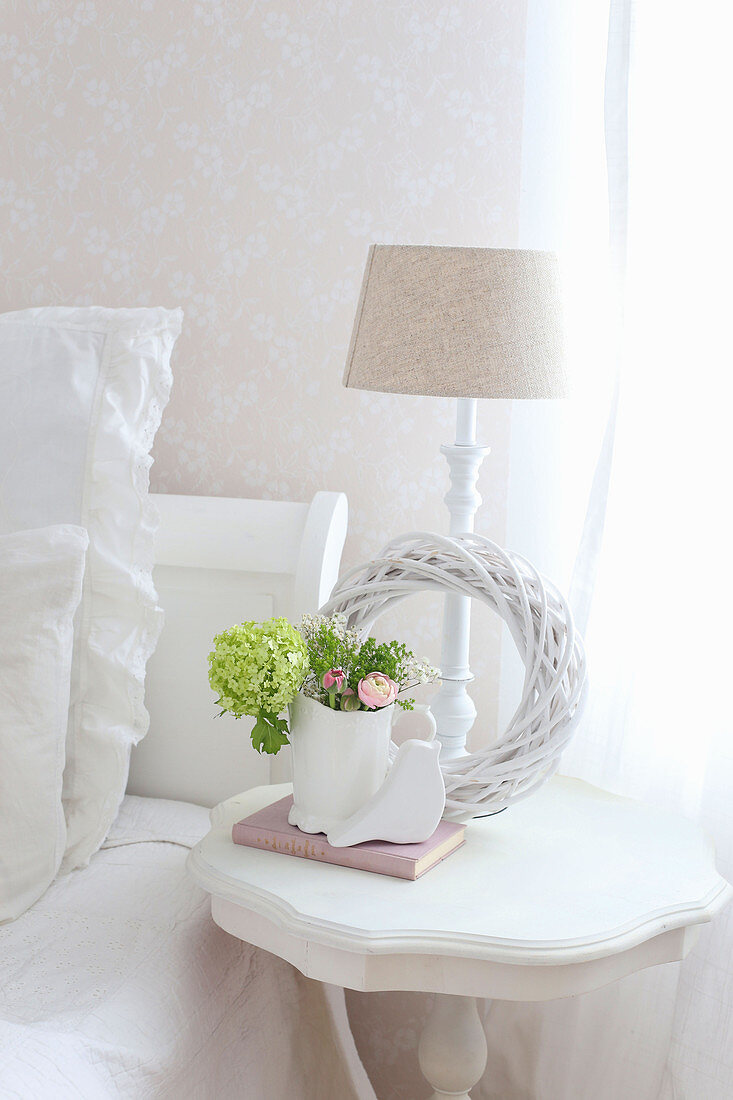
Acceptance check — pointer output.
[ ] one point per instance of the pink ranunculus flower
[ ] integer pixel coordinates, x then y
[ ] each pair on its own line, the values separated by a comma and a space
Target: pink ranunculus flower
350, 700
334, 680
377, 690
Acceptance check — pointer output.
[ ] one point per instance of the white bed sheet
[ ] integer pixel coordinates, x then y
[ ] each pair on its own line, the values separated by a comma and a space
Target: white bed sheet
118, 984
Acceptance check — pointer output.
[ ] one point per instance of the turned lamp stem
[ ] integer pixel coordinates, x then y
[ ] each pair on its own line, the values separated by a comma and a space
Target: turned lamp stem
452, 706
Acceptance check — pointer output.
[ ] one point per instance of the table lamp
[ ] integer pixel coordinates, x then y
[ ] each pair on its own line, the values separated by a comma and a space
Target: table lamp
465, 323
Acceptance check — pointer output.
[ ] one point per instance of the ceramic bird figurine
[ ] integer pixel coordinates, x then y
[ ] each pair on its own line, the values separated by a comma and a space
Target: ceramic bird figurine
407, 807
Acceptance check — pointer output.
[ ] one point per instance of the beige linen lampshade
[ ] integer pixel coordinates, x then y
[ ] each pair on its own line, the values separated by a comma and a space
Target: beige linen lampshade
459, 322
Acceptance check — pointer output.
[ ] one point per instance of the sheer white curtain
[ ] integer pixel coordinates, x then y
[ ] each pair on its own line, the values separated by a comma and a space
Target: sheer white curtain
656, 588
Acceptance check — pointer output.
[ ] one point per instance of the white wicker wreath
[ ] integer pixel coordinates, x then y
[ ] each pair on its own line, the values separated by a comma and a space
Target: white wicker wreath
540, 622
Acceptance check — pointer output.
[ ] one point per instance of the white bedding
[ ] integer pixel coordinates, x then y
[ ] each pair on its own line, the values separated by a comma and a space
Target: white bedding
118, 984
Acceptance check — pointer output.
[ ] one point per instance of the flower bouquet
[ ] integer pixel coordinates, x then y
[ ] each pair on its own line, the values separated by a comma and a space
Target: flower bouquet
258, 668
341, 691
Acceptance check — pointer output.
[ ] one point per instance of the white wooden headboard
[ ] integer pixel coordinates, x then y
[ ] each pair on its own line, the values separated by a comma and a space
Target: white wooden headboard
219, 561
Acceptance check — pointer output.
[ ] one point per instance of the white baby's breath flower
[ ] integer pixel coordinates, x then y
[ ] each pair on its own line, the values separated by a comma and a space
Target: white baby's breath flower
338, 624
420, 671
313, 689
309, 625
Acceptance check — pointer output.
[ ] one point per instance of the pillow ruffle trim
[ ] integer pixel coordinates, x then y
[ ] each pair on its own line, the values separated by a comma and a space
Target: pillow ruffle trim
117, 639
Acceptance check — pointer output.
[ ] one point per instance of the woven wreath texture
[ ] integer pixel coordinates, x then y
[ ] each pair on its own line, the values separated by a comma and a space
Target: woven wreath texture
538, 617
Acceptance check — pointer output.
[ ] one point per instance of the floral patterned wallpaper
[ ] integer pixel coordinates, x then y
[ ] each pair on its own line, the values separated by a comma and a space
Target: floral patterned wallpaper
236, 158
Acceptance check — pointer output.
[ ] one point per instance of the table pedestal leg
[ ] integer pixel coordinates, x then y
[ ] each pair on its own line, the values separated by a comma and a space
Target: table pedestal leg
452, 1050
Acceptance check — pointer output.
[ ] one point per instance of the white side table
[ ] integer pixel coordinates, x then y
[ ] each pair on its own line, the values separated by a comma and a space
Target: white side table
562, 893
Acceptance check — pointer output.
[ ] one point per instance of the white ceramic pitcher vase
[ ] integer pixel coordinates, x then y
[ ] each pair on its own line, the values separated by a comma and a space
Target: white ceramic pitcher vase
340, 760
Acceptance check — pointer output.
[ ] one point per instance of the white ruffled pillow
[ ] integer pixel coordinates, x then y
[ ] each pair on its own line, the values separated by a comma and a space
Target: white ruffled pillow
40, 588
82, 391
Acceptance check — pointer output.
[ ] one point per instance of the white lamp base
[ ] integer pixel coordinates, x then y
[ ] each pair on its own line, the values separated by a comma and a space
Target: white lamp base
452, 706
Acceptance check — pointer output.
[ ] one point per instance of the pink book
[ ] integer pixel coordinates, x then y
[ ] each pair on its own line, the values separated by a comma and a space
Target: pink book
269, 829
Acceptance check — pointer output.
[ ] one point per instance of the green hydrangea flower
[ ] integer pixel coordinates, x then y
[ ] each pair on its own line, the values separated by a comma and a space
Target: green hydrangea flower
257, 669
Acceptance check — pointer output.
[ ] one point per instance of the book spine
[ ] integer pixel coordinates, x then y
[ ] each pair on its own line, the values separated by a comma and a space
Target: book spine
320, 852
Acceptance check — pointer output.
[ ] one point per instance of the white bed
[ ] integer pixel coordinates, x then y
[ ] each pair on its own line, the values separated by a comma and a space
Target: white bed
117, 983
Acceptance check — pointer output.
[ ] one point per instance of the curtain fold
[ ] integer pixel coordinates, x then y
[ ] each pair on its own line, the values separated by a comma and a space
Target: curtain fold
650, 586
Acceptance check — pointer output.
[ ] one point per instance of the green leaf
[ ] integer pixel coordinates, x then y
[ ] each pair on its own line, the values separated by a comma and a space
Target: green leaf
269, 733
